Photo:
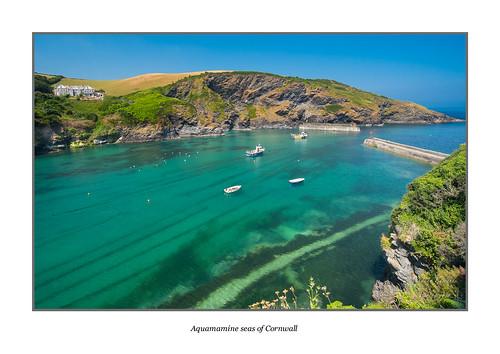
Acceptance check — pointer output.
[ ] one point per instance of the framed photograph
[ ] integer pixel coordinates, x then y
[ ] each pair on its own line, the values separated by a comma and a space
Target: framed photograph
250, 171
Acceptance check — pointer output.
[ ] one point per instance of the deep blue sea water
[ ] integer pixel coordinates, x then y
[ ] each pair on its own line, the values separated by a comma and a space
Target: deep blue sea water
148, 225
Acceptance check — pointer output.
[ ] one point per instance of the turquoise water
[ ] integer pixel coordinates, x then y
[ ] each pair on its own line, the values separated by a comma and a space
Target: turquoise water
148, 225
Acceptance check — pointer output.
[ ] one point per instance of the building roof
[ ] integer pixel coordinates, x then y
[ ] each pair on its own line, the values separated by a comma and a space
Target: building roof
75, 87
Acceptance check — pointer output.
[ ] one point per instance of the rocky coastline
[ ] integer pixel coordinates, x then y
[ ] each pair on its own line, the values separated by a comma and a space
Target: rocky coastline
427, 239
214, 103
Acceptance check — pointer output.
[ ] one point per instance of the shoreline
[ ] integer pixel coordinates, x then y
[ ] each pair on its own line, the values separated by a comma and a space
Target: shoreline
221, 133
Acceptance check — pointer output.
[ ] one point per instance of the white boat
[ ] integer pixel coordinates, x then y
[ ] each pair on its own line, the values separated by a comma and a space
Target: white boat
259, 150
296, 180
302, 135
232, 189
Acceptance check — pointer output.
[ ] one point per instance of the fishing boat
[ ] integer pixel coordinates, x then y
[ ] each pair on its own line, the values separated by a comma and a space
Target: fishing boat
296, 180
302, 135
232, 189
259, 150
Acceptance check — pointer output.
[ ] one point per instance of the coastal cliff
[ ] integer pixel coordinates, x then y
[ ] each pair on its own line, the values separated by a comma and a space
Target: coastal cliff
426, 246
209, 104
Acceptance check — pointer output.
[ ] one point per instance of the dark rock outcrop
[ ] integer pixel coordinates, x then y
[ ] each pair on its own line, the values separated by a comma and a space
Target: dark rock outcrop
403, 266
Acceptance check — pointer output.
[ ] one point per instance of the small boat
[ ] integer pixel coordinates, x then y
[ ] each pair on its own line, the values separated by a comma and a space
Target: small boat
232, 189
296, 180
378, 125
302, 135
259, 150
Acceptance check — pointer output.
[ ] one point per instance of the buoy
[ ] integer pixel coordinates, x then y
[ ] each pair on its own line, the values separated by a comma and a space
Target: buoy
88, 193
148, 200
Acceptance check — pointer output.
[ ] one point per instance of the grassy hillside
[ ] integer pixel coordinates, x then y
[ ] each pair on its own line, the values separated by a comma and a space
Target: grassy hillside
132, 84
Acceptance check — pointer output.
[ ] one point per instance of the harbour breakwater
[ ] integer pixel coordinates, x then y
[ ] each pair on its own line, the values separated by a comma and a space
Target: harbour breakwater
331, 127
428, 156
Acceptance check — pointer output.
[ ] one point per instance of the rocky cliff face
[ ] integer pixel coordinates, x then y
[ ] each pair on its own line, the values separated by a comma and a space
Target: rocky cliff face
256, 99
402, 269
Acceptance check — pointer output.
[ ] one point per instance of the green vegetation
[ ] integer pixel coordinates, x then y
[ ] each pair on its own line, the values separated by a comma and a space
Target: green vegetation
84, 109
338, 305
336, 89
49, 109
211, 102
385, 242
443, 288
148, 106
251, 111
318, 297
432, 220
105, 128
43, 83
433, 209
332, 108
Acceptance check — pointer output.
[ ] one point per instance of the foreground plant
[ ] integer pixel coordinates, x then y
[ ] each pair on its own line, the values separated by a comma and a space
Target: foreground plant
316, 294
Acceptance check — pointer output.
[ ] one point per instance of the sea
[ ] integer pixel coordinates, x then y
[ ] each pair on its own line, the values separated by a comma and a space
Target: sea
148, 226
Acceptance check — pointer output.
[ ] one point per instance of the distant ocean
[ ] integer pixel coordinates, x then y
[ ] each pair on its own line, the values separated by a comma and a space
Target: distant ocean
452, 112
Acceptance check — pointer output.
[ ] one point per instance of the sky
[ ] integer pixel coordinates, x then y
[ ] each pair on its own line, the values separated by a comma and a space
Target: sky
429, 69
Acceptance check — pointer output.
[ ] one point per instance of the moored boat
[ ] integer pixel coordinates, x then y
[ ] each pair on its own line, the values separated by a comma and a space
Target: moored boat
301, 135
232, 189
259, 150
296, 180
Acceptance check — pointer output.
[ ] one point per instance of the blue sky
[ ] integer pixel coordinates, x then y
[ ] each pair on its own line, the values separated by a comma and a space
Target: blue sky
425, 68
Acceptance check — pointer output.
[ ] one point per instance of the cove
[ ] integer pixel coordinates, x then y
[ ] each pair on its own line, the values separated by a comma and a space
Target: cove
148, 225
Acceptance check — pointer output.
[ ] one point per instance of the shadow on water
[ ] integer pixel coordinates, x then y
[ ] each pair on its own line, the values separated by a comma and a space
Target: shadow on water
342, 267
183, 268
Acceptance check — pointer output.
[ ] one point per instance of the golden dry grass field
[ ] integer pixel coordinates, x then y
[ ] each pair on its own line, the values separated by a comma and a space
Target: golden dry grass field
132, 84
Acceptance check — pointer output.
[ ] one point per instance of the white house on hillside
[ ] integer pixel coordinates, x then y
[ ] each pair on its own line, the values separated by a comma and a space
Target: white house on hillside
85, 91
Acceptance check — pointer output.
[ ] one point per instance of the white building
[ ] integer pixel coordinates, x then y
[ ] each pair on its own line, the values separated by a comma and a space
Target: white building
84, 91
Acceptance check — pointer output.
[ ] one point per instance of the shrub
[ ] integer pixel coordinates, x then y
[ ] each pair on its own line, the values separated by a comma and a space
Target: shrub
44, 83
385, 242
251, 111
441, 289
316, 295
435, 203
338, 305
332, 108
